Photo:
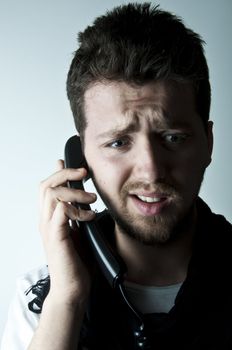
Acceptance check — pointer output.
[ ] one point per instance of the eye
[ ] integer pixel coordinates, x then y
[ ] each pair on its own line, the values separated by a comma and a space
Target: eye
119, 143
175, 138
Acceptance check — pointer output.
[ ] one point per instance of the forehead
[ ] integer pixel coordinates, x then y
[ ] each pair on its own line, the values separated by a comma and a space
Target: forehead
119, 103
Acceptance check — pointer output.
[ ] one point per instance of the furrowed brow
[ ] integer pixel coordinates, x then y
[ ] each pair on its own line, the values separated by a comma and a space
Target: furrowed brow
129, 124
119, 131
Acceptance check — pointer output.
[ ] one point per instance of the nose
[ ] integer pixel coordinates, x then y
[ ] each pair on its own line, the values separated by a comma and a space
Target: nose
150, 163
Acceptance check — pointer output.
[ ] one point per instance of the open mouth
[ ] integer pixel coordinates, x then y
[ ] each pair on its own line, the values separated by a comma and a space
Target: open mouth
151, 199
152, 204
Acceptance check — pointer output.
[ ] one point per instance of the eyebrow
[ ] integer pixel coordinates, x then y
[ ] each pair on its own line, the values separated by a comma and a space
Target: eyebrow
133, 125
117, 131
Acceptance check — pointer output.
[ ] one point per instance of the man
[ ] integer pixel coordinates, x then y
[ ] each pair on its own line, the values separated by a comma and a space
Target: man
140, 94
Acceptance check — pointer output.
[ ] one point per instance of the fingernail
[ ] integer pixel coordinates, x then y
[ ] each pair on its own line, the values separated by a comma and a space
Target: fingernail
91, 212
79, 169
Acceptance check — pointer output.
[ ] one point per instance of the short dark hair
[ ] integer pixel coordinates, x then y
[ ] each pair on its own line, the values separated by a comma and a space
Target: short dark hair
138, 43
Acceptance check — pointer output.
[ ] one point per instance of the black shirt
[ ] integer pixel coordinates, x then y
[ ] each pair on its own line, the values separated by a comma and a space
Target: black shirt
202, 315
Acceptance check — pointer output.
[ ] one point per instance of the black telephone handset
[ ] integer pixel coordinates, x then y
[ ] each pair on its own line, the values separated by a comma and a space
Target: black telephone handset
111, 265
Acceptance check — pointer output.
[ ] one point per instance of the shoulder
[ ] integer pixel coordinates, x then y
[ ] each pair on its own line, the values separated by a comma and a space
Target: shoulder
31, 277
25, 284
211, 220
21, 322
213, 240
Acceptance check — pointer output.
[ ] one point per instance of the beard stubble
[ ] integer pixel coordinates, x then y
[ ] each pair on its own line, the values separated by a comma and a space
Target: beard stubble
152, 230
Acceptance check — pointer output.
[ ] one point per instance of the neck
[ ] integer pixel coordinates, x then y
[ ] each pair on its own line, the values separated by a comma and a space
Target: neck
159, 264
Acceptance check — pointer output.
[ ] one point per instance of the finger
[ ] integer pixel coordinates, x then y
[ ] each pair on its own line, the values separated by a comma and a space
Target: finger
59, 164
65, 212
64, 194
61, 177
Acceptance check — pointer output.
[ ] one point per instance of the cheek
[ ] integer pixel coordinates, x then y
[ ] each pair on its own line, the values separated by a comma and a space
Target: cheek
195, 158
110, 175
188, 170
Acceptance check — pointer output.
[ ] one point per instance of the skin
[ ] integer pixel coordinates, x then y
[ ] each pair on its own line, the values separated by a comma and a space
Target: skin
160, 152
64, 307
150, 142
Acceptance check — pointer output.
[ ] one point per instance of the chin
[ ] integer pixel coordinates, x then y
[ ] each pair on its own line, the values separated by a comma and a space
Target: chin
160, 229
154, 231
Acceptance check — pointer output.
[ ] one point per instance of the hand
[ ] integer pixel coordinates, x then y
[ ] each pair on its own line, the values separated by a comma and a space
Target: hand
70, 279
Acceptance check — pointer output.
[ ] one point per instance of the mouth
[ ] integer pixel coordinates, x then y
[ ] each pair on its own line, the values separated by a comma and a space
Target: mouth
150, 204
150, 199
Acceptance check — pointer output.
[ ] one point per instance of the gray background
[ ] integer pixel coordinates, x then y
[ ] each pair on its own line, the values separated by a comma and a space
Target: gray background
37, 39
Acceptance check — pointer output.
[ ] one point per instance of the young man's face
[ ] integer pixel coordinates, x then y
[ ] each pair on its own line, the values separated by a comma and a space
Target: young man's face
148, 150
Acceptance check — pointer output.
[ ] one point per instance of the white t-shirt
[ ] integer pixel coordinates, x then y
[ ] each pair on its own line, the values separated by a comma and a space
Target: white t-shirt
152, 299
22, 322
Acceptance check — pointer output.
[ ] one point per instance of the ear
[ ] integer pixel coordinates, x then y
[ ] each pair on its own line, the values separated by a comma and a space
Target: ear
210, 140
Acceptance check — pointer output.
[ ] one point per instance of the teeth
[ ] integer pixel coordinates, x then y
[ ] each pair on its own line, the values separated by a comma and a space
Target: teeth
149, 199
